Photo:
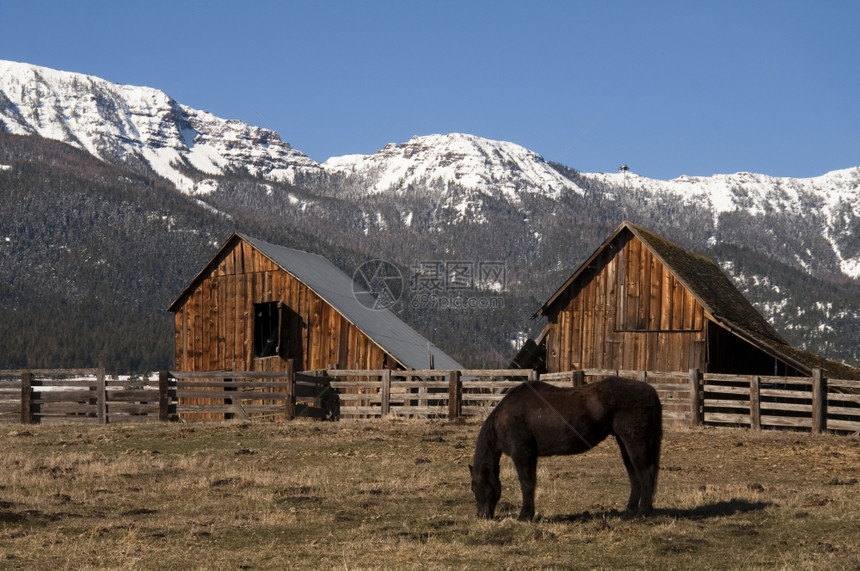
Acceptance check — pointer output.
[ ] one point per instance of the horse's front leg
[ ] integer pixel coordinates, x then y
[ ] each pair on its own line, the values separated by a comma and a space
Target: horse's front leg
526, 466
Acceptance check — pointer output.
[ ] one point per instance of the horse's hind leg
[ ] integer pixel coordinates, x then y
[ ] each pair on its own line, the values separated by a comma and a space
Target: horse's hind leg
635, 480
642, 471
526, 465
649, 486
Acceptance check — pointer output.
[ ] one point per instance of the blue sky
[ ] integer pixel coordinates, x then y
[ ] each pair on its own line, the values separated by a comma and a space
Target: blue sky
667, 87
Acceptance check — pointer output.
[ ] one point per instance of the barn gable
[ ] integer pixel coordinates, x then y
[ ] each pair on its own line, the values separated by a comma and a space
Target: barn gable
301, 302
641, 302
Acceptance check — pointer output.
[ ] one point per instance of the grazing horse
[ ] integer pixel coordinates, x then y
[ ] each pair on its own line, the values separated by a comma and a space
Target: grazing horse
538, 419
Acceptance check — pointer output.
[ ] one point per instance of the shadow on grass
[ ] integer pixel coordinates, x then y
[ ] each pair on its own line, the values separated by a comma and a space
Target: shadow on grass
716, 509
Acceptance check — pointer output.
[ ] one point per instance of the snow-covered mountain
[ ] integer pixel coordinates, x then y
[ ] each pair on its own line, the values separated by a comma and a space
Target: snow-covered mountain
493, 168
140, 125
832, 200
458, 174
455, 168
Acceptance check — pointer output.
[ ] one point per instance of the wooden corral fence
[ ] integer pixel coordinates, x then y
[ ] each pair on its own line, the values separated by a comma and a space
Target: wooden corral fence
691, 399
811, 403
430, 393
474, 392
47, 396
223, 395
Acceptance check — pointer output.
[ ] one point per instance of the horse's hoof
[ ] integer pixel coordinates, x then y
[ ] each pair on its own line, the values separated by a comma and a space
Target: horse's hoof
526, 516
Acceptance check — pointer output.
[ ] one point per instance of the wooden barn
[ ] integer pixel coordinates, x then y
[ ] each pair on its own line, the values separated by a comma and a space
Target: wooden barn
640, 302
256, 305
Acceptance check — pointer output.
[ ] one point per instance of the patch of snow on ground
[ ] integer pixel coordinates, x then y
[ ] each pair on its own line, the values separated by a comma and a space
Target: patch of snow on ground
160, 160
206, 159
207, 186
851, 267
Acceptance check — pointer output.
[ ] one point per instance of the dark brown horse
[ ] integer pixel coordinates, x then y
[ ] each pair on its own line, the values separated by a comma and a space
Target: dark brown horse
538, 419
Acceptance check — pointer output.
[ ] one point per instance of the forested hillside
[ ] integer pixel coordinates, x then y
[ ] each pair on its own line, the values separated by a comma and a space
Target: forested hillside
90, 255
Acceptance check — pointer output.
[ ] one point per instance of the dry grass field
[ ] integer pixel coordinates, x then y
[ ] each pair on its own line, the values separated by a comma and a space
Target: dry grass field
394, 494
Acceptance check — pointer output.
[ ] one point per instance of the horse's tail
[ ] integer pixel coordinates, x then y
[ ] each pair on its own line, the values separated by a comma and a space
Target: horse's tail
656, 432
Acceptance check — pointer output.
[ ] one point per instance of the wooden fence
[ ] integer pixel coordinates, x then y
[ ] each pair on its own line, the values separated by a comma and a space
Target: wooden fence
88, 395
474, 392
47, 396
813, 403
76, 395
223, 395
429, 393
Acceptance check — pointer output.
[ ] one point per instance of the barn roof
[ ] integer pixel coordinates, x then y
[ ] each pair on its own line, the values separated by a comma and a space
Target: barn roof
325, 279
723, 302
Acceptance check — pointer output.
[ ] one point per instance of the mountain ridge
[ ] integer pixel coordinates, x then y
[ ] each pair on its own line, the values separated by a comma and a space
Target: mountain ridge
147, 121
130, 124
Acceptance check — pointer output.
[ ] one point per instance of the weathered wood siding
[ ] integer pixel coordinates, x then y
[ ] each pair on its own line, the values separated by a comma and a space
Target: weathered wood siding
627, 311
214, 323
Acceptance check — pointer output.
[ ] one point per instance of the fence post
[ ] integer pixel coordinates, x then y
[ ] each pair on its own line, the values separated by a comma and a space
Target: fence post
163, 396
755, 402
229, 400
697, 397
27, 397
386, 391
819, 402
101, 395
290, 392
455, 395
578, 377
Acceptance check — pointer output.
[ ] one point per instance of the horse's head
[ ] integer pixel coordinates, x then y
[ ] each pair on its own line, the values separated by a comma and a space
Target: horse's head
487, 489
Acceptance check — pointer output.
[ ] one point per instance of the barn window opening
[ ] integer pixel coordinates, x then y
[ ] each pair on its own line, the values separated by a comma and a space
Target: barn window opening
267, 328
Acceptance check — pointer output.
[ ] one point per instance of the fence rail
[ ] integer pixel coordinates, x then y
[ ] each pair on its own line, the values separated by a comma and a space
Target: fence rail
88, 395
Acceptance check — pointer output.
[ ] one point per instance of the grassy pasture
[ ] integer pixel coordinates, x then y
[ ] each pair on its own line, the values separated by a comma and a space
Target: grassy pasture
394, 494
